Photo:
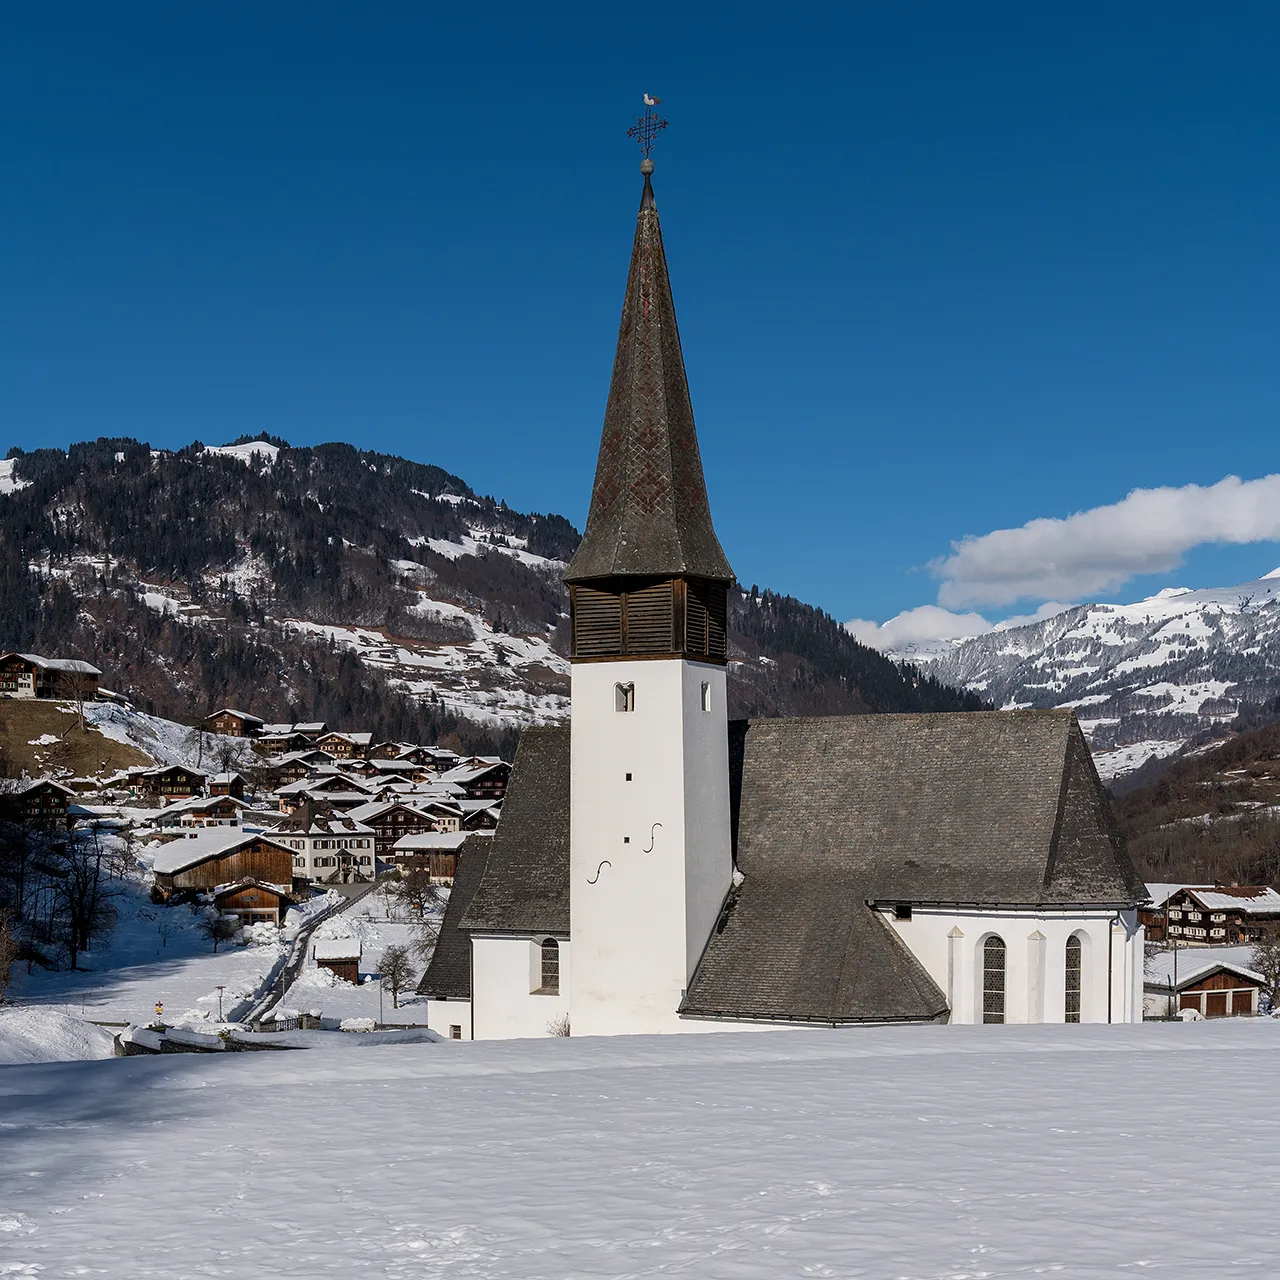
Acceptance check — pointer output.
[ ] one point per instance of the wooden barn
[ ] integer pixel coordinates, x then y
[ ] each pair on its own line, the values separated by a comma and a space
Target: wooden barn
215, 856
341, 956
38, 804
253, 901
1215, 986
28, 675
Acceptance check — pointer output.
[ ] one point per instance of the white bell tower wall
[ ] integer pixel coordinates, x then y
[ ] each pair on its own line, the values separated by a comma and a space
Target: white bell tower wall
650, 860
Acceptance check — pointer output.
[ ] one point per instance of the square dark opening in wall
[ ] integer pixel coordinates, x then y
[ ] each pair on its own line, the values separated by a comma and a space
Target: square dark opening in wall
628, 777
626, 839
902, 911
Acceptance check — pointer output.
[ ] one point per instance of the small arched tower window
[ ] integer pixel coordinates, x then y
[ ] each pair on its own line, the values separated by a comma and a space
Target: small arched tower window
993, 971
1075, 976
550, 966
624, 697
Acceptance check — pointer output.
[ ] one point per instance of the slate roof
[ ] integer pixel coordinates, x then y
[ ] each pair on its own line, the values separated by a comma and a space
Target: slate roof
526, 888
649, 513
448, 976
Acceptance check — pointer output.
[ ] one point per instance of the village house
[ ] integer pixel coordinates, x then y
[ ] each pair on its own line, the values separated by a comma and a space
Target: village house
43, 803
435, 852
1217, 982
211, 857
253, 901
168, 782
341, 956
234, 724
390, 820
327, 847
1209, 915
28, 675
479, 780
344, 746
202, 811
227, 784
661, 869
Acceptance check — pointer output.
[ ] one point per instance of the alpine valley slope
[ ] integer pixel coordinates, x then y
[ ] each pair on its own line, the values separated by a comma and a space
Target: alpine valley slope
1146, 679
350, 586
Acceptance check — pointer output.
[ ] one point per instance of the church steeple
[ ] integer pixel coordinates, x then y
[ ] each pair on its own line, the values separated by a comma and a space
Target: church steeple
649, 512
649, 541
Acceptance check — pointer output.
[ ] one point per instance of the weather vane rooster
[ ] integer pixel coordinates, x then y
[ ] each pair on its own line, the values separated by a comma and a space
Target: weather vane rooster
646, 129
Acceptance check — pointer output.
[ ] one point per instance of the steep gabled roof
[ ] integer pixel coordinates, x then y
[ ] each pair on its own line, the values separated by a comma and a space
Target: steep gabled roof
526, 887
649, 513
448, 976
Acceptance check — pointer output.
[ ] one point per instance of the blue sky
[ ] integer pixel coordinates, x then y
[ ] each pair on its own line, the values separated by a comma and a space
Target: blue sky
941, 269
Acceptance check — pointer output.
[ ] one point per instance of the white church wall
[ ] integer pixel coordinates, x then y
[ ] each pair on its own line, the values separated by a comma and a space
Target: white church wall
949, 944
650, 862
504, 980
444, 1015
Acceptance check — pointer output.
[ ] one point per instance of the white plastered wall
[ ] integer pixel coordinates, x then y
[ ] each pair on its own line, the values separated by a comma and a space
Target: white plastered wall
650, 858
442, 1015
504, 977
948, 943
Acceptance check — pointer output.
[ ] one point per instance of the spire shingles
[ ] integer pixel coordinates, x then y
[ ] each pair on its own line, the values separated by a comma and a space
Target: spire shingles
649, 513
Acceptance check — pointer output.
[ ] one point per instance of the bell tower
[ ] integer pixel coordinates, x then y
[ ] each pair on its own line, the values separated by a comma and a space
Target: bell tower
650, 855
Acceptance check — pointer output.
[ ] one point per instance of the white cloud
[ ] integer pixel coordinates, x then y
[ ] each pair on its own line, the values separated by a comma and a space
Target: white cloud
915, 627
1098, 550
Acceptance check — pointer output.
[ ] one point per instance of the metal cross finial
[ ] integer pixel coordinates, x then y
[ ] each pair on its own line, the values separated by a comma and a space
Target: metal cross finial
648, 126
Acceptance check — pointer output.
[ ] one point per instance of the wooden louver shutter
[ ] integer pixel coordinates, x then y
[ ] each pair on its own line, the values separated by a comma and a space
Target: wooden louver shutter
695, 624
650, 615
597, 622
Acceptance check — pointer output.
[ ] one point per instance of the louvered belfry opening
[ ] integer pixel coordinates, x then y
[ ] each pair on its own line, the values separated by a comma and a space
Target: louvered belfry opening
648, 617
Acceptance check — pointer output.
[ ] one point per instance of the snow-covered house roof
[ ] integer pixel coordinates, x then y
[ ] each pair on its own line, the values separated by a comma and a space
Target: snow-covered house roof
225, 779
43, 782
196, 804
240, 715
337, 948
1252, 899
432, 841
205, 842
73, 665
309, 820
1195, 963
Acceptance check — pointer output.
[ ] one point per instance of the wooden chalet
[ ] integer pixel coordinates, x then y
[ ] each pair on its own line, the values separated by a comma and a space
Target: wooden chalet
202, 811
227, 784
43, 803
234, 724
480, 781
434, 852
170, 782
345, 746
1209, 915
29, 675
207, 859
253, 901
392, 820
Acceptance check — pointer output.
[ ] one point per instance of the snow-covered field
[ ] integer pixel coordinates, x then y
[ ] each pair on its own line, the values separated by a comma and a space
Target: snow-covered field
30, 1033
122, 979
957, 1152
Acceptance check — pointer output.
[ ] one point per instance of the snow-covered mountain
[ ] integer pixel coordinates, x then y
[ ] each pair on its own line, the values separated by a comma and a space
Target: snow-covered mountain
1144, 678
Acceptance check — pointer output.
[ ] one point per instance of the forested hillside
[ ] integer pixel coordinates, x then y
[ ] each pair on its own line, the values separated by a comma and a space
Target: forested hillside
351, 586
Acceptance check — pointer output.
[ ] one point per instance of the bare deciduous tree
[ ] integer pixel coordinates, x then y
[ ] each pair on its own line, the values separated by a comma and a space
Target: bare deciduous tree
10, 950
397, 972
219, 929
1266, 961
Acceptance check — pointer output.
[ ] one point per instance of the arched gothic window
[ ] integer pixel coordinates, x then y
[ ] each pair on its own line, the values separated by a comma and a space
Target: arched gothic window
993, 971
550, 966
1075, 975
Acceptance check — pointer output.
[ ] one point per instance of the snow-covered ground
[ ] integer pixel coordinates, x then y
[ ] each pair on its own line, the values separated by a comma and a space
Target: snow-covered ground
31, 1033
9, 483
122, 979
923, 1152
318, 988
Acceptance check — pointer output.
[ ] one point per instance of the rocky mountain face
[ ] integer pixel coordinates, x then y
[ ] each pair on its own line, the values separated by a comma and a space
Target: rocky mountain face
1147, 680
364, 589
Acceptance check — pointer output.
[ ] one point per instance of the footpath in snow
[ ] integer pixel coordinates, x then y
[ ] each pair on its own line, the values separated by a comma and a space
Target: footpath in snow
921, 1152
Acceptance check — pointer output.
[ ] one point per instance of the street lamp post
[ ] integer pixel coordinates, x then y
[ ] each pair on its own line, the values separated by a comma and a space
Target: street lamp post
220, 991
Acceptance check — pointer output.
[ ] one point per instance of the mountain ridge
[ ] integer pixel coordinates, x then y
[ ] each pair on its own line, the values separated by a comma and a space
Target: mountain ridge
328, 582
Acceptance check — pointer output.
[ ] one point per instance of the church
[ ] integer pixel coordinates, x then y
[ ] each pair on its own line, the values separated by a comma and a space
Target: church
659, 868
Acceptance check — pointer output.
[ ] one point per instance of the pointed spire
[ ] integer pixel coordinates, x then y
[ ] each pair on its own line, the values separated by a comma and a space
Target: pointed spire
649, 513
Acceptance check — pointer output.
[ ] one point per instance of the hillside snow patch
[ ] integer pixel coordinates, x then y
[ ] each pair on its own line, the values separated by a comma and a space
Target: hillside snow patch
32, 1034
